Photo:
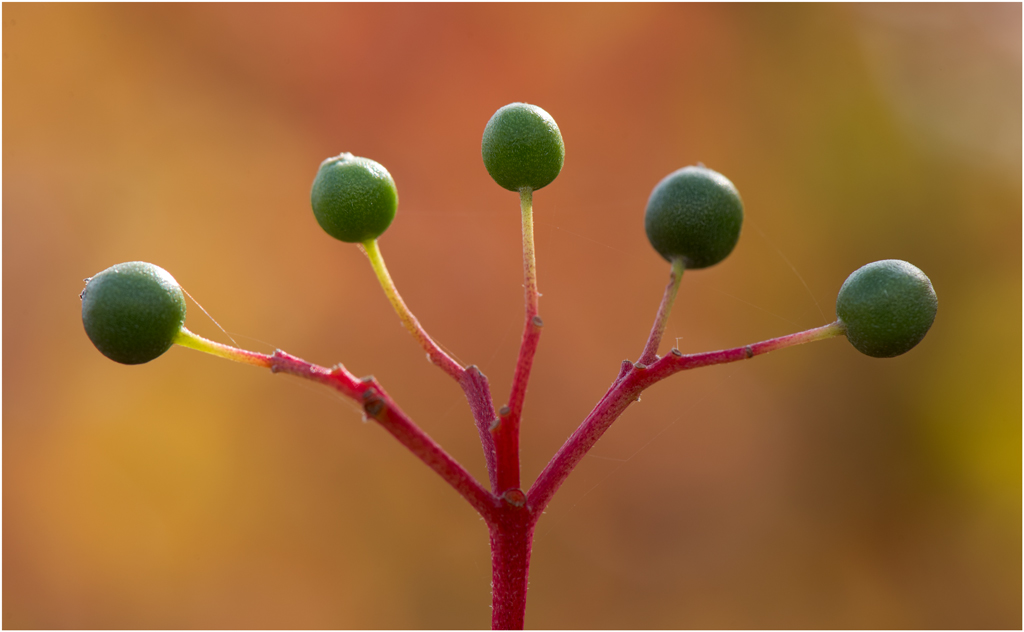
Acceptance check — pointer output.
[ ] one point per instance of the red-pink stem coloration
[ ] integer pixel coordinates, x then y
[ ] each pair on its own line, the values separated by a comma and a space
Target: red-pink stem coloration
507, 429
511, 544
472, 381
478, 394
510, 514
632, 381
676, 361
650, 352
379, 406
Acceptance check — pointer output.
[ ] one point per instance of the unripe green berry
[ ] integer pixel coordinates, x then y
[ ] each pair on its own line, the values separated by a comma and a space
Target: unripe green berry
522, 147
354, 199
132, 311
694, 214
887, 307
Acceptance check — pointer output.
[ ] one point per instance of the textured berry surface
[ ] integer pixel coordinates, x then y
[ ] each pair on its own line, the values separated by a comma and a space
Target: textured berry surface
132, 311
354, 199
522, 147
887, 307
694, 214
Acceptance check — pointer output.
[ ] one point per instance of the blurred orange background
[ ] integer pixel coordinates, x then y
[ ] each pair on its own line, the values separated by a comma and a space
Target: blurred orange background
814, 487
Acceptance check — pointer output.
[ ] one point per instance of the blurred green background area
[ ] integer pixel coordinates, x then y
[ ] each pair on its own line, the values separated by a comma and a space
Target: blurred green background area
812, 488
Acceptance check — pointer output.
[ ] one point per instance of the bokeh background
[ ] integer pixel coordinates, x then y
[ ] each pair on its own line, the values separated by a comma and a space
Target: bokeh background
811, 488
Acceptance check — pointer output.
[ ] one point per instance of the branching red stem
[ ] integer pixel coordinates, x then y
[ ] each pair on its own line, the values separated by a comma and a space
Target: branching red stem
379, 406
630, 383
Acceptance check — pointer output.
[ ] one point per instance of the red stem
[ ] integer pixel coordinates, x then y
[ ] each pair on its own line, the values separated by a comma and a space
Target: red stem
506, 438
472, 381
478, 394
511, 544
632, 381
650, 352
379, 406
619, 396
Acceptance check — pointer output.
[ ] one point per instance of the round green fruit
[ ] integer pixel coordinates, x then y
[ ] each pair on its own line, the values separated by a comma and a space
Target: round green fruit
522, 147
354, 199
132, 311
887, 307
694, 214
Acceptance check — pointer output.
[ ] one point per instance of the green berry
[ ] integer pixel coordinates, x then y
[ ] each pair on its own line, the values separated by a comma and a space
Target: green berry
522, 147
133, 311
887, 307
354, 199
694, 214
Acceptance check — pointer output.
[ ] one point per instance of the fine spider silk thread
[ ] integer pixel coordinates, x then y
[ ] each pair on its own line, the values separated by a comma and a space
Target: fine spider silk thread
210, 317
824, 318
330, 394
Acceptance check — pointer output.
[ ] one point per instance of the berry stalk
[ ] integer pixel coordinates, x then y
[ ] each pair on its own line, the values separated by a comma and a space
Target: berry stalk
473, 382
632, 380
650, 352
507, 430
434, 353
677, 361
376, 404
186, 338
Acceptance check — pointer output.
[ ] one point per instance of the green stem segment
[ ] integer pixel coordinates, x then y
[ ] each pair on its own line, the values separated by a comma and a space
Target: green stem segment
529, 256
186, 338
650, 352
436, 355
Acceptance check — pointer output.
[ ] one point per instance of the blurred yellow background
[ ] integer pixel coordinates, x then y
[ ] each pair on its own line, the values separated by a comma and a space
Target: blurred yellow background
813, 488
